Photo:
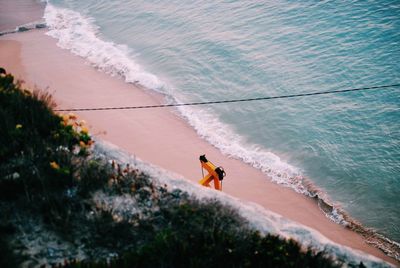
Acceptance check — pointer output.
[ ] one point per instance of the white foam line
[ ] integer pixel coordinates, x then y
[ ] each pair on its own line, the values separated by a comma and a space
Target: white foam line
80, 35
220, 135
259, 218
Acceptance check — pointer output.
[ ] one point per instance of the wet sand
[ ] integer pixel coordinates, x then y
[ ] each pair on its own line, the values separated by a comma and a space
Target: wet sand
158, 136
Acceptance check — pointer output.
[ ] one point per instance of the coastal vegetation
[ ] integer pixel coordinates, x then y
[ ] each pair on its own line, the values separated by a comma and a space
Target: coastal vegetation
63, 205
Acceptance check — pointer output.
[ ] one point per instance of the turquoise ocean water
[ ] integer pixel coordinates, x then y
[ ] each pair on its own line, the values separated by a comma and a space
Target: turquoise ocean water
347, 145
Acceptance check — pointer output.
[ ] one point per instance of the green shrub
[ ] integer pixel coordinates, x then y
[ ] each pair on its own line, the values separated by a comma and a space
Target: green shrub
35, 144
205, 235
42, 177
7, 256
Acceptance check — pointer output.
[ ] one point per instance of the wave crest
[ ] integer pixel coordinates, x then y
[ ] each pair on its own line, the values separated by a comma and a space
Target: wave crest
79, 34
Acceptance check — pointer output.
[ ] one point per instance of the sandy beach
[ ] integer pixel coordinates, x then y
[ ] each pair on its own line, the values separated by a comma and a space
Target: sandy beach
19, 12
158, 136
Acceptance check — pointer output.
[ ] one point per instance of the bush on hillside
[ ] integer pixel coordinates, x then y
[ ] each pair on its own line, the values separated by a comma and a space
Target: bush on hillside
35, 143
48, 177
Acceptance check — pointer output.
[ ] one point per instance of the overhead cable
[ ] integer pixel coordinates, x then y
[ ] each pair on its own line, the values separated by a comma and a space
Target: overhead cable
227, 101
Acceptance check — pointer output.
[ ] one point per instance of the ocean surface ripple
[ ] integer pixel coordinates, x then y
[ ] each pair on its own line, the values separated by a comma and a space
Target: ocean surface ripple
347, 146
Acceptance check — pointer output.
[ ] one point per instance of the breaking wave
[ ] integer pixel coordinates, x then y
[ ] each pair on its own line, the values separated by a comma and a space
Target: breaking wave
259, 218
82, 37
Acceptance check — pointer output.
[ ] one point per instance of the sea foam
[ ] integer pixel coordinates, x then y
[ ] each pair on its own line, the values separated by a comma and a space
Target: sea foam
81, 36
259, 218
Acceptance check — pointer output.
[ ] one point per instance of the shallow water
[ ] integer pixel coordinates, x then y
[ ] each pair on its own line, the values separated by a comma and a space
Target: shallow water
348, 145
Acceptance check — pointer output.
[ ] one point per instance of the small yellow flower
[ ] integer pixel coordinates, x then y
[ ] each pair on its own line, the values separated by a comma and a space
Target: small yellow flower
54, 165
65, 117
82, 123
84, 130
18, 126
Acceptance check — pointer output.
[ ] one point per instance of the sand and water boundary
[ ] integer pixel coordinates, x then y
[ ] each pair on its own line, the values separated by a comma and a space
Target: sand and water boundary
160, 136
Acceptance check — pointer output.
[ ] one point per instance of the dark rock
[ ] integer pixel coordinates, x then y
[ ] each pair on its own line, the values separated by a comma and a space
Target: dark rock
22, 29
40, 25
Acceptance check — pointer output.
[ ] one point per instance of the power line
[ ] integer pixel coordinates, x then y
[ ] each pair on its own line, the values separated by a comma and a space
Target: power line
226, 101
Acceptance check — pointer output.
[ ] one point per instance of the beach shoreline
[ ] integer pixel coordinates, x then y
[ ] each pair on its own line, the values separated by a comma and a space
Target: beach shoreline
160, 137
